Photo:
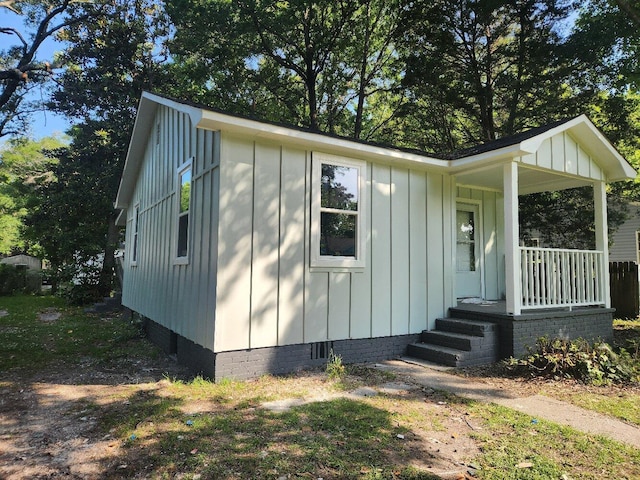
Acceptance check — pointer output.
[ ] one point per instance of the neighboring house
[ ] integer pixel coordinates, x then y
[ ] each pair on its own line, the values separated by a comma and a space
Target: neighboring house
29, 262
253, 247
626, 240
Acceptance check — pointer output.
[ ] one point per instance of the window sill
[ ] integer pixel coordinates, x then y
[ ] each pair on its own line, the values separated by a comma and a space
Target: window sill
181, 261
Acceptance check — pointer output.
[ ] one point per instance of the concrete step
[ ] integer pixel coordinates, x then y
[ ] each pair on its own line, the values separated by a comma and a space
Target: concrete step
467, 327
460, 341
436, 353
451, 356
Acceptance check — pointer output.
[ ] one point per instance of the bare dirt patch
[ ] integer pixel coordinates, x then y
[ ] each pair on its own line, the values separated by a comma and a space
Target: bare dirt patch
51, 420
48, 419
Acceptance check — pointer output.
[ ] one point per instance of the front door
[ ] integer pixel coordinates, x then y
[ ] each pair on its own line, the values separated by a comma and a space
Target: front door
468, 251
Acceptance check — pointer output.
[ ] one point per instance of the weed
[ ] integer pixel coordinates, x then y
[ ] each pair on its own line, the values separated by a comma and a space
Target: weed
597, 364
335, 368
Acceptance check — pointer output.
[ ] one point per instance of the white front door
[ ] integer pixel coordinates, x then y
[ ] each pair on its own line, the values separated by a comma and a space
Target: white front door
468, 251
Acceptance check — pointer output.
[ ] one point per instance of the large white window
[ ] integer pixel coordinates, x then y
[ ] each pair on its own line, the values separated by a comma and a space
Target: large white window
183, 207
337, 212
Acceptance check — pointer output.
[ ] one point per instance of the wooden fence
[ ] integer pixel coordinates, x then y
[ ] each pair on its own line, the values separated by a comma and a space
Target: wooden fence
625, 292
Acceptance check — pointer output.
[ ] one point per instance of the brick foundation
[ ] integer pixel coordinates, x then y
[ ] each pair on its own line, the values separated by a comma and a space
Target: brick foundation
519, 332
251, 363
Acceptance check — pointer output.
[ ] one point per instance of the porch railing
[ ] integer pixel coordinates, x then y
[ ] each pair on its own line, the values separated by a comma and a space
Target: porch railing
553, 277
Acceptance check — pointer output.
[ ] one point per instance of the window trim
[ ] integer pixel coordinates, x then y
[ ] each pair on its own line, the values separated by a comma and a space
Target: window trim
135, 240
182, 260
331, 262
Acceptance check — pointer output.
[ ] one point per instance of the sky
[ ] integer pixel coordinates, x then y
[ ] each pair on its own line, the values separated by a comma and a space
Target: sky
44, 123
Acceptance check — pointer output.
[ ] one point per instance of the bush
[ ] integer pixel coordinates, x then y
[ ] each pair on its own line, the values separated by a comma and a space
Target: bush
597, 364
11, 280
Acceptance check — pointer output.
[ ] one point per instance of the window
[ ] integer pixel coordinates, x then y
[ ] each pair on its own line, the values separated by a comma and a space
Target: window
184, 203
465, 241
337, 238
134, 250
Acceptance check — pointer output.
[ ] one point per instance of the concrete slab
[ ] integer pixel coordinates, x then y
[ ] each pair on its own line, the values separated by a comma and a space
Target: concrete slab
537, 406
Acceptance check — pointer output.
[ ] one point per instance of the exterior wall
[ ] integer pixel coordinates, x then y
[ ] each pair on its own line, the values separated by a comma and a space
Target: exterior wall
624, 248
492, 214
180, 298
32, 263
268, 295
562, 154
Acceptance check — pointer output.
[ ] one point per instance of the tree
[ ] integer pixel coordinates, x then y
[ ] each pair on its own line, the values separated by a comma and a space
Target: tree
20, 68
109, 62
23, 163
318, 64
493, 66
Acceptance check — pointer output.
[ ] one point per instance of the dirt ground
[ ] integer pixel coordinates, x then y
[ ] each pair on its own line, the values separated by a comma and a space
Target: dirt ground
46, 431
48, 422
48, 419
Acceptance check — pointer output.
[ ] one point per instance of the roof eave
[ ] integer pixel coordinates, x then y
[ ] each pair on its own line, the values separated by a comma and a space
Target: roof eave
242, 126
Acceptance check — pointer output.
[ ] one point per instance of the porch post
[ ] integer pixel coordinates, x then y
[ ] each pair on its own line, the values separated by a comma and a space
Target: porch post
602, 238
512, 239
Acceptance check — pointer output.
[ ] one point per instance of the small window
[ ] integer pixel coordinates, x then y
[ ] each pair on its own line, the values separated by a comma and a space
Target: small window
136, 227
337, 212
184, 204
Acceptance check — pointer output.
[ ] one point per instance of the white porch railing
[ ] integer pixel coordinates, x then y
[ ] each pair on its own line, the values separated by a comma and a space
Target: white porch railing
552, 277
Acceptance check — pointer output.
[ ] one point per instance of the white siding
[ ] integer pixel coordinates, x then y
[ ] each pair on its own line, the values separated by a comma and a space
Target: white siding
562, 154
269, 295
179, 297
624, 240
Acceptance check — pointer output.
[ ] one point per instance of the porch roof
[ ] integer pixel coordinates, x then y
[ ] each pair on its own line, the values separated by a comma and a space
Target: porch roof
562, 155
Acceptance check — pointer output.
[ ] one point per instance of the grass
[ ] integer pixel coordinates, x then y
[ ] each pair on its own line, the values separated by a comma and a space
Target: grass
511, 441
178, 428
28, 342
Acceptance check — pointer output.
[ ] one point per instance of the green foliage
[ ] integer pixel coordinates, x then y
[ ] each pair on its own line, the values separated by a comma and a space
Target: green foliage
594, 363
32, 342
10, 279
23, 163
335, 368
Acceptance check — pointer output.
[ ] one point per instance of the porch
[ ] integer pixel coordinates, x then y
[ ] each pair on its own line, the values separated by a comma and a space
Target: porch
518, 332
484, 332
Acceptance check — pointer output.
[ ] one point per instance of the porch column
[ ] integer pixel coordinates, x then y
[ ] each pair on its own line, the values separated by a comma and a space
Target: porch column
512, 239
602, 237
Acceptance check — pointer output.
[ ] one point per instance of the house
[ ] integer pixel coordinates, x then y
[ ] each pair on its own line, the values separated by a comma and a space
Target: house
626, 240
253, 247
25, 261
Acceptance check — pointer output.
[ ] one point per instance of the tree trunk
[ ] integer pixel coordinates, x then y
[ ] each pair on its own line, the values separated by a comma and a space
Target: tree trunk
108, 263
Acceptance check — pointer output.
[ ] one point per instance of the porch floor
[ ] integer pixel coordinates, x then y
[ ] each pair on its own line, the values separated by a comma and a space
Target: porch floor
498, 309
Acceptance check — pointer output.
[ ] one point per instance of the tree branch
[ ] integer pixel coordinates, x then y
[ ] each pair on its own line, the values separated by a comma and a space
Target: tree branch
626, 7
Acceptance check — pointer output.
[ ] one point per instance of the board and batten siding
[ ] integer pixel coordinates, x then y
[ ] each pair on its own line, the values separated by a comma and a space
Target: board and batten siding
562, 153
491, 215
624, 248
179, 297
268, 295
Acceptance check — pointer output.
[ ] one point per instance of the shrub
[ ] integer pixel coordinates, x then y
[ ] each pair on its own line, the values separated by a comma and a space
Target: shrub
597, 364
11, 280
335, 367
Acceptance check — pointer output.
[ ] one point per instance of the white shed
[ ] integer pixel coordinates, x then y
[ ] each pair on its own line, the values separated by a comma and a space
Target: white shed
253, 247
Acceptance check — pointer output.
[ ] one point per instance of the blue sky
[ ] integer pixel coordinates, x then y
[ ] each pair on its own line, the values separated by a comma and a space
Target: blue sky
43, 123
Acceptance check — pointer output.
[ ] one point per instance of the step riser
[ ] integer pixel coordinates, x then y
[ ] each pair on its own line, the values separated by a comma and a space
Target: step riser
461, 359
425, 353
467, 328
467, 344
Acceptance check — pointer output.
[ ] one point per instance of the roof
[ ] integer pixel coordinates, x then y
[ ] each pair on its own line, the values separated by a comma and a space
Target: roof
489, 153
